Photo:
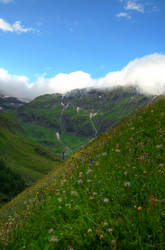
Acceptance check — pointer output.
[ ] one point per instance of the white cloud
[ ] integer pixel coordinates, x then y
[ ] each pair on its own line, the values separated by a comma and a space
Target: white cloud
124, 15
134, 5
6, 1
146, 73
16, 27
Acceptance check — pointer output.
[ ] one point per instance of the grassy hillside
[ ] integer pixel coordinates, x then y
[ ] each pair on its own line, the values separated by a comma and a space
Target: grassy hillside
21, 155
109, 195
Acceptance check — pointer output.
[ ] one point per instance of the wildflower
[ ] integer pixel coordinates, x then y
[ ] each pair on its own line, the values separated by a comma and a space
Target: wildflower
101, 236
159, 146
89, 230
54, 239
94, 194
80, 181
80, 174
104, 153
59, 199
106, 200
91, 160
24, 247
139, 208
51, 230
74, 193
98, 182
127, 184
71, 248
109, 230
117, 150
97, 163
145, 171
91, 198
89, 180
89, 171
125, 173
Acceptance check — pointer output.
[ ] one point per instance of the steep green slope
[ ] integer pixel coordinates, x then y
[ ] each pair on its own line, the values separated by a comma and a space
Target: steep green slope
78, 116
21, 155
109, 195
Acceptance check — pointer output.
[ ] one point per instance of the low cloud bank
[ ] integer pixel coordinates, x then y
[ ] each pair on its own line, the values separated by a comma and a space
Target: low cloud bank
146, 73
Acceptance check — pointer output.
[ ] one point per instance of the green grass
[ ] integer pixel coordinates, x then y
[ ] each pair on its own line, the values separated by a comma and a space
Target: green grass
109, 195
22, 155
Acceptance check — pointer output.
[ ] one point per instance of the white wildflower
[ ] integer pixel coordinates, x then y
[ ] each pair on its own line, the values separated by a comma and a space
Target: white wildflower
80, 174
80, 181
127, 184
51, 230
106, 200
74, 193
89, 171
54, 239
59, 199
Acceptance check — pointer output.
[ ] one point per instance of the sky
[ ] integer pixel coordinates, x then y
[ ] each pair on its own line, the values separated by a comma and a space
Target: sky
56, 46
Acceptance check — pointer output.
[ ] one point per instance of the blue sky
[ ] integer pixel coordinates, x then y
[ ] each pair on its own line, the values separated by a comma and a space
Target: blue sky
41, 39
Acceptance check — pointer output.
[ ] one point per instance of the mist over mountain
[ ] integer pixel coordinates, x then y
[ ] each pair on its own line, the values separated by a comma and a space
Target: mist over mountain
146, 74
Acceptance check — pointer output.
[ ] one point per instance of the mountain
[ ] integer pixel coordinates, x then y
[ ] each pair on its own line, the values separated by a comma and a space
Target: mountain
71, 120
10, 103
109, 195
21, 157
